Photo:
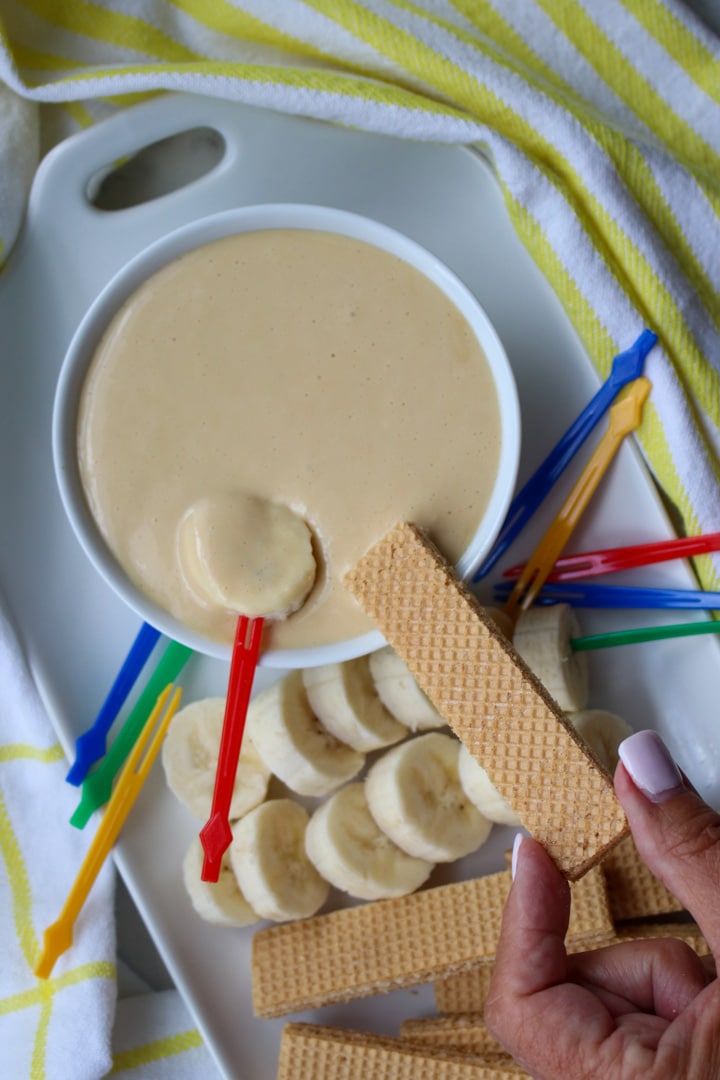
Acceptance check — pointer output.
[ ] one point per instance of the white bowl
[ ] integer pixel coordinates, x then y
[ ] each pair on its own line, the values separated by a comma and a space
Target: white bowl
203, 231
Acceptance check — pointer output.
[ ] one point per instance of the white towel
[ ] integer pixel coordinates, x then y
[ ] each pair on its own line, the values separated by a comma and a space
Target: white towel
44, 1022
155, 1039
70, 1026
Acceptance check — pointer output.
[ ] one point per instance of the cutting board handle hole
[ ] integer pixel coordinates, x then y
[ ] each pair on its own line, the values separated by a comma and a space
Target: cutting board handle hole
157, 169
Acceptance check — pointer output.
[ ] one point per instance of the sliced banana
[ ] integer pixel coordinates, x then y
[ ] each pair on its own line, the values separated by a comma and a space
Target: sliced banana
348, 848
246, 554
345, 701
482, 792
542, 638
603, 731
399, 692
293, 743
271, 865
220, 902
190, 755
415, 795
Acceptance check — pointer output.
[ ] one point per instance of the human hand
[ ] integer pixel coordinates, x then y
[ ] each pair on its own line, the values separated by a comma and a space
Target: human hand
647, 1009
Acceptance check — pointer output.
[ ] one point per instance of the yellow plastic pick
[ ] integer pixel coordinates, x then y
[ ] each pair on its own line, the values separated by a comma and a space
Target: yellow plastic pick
58, 937
624, 417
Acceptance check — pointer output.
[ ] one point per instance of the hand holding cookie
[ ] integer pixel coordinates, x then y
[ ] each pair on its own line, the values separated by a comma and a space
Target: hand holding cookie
643, 1008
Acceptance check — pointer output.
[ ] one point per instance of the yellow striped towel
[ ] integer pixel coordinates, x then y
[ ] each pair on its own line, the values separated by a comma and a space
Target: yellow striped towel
602, 121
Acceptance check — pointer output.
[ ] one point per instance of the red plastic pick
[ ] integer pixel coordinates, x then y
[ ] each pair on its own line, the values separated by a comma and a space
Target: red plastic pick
609, 560
216, 834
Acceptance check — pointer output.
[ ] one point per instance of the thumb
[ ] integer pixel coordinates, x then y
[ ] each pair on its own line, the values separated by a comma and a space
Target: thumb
676, 833
531, 1007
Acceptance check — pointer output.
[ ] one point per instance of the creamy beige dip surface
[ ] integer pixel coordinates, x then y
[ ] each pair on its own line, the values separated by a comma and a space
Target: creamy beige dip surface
304, 367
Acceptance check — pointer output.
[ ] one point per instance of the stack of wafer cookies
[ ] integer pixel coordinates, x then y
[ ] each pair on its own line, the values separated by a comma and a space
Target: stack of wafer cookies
447, 935
295, 970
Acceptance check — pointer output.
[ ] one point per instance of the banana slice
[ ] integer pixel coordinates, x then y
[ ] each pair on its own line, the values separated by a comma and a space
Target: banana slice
220, 902
246, 554
346, 846
482, 792
603, 731
293, 743
270, 863
344, 699
542, 638
190, 755
399, 692
414, 793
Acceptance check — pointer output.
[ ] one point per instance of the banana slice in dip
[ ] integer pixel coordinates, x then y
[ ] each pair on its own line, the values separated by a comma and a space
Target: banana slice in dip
246, 554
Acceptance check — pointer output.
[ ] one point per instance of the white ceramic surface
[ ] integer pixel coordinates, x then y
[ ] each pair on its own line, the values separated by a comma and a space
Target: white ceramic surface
75, 629
207, 229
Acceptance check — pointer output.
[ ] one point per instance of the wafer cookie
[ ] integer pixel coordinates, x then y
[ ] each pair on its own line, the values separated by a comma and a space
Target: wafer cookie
465, 991
375, 947
312, 1052
405, 941
489, 696
633, 890
463, 1031
689, 932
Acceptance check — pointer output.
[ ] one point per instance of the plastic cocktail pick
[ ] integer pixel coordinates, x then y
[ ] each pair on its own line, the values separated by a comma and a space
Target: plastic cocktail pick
610, 560
642, 634
624, 417
97, 786
90, 746
626, 366
580, 594
216, 834
59, 935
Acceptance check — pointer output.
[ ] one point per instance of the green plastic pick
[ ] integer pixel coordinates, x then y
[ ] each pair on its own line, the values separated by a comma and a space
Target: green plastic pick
97, 786
643, 633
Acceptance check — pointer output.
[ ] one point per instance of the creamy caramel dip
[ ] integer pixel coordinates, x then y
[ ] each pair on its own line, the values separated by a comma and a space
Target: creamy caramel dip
304, 368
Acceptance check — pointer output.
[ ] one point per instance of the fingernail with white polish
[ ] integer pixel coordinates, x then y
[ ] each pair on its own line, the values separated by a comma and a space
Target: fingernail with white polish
652, 769
516, 847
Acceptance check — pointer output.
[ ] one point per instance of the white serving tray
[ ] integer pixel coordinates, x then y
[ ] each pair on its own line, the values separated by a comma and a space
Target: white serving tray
75, 630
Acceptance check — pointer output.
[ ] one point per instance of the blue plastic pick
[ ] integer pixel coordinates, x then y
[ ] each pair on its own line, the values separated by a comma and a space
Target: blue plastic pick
626, 367
91, 745
619, 596
97, 786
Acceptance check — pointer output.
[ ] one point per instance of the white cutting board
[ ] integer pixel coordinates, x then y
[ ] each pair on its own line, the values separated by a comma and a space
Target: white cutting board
75, 630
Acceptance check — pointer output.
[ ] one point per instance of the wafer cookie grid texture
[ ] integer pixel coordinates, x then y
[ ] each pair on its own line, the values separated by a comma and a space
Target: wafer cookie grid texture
633, 890
463, 1031
377, 946
313, 1052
